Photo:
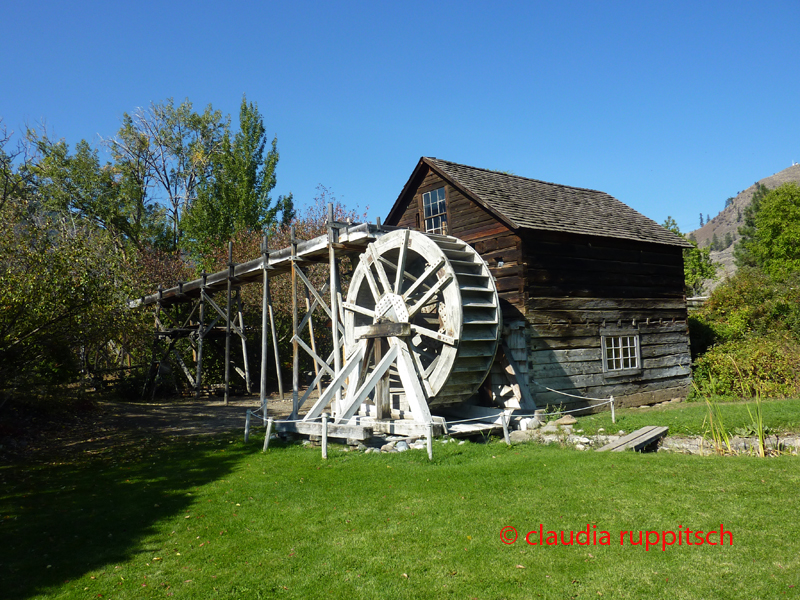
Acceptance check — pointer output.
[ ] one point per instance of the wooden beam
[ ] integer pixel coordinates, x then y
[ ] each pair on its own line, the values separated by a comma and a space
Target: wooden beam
353, 432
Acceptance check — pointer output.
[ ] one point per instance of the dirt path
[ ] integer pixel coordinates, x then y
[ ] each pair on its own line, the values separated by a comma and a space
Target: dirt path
46, 433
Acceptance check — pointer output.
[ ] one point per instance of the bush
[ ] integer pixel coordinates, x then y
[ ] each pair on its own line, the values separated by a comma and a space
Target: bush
750, 303
741, 368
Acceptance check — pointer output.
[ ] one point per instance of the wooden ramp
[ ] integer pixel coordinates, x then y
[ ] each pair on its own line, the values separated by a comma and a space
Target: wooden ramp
638, 440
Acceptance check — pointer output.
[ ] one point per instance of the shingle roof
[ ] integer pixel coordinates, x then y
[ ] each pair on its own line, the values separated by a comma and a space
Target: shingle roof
531, 204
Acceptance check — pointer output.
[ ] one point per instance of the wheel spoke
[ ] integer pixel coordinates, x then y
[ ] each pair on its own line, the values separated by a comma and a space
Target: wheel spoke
358, 309
449, 340
401, 263
387, 287
373, 285
428, 295
428, 272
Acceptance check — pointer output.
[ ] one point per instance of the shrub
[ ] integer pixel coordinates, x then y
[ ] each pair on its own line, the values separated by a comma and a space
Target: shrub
742, 368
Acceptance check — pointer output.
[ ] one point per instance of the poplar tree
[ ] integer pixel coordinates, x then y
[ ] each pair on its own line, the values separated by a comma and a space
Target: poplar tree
235, 196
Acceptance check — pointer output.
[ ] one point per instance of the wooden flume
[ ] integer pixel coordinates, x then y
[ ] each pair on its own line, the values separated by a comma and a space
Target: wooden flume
419, 327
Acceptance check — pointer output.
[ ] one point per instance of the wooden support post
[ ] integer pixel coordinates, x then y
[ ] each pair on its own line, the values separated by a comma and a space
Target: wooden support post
247, 427
262, 392
295, 346
201, 334
504, 418
333, 238
245, 358
383, 409
313, 343
430, 440
228, 325
269, 433
613, 416
325, 436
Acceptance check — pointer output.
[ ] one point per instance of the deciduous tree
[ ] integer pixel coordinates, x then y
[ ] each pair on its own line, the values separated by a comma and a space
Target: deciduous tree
235, 196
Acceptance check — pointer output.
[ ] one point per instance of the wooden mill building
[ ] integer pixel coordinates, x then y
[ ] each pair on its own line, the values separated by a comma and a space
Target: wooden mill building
592, 291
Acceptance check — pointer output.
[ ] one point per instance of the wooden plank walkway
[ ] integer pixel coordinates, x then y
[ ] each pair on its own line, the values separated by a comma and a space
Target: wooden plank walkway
638, 440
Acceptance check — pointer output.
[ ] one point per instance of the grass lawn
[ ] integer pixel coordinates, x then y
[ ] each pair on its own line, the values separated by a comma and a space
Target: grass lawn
687, 418
199, 519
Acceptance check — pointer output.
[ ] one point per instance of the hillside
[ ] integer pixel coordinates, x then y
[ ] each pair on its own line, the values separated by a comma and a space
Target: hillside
731, 218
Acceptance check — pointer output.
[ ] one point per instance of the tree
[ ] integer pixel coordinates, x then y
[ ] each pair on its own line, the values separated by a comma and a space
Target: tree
235, 196
62, 302
728, 240
102, 194
701, 219
170, 148
742, 252
715, 245
771, 235
697, 264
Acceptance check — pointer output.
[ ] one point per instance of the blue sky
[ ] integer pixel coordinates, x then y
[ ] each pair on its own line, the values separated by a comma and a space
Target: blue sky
670, 107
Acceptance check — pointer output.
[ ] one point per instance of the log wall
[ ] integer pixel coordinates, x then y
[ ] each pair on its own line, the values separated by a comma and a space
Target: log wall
580, 288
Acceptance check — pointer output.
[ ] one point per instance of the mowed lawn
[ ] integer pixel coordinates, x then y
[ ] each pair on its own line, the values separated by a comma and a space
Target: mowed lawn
217, 518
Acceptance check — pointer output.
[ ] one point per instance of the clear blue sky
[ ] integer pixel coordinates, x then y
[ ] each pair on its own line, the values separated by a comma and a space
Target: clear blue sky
669, 106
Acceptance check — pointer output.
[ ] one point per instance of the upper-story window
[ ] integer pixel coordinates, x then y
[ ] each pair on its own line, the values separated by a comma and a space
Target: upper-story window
435, 209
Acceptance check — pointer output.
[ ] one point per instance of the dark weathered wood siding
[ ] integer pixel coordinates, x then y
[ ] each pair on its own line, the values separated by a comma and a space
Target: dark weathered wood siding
472, 223
579, 288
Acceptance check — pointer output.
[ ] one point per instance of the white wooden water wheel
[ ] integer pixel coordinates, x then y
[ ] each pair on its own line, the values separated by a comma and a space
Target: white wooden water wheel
433, 301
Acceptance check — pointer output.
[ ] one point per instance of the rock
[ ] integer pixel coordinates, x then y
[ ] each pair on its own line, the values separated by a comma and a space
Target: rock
388, 447
518, 436
580, 447
401, 446
601, 430
462, 442
529, 423
584, 440
540, 415
361, 447
551, 427
566, 420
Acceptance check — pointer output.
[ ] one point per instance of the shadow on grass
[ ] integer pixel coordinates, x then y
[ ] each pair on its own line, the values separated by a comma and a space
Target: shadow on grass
61, 520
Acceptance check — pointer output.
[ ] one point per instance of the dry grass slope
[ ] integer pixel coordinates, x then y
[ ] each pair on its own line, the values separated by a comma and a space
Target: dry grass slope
727, 220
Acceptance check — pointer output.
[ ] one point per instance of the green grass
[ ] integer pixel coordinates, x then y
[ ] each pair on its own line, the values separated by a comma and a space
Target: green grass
217, 518
687, 418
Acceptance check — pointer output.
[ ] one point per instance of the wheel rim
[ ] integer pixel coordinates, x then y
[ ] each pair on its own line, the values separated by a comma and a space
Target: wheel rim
439, 286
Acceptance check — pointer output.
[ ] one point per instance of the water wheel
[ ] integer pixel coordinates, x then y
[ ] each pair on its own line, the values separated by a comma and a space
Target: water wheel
432, 299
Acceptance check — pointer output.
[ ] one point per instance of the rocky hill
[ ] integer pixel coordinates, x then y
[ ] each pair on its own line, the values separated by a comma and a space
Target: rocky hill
727, 222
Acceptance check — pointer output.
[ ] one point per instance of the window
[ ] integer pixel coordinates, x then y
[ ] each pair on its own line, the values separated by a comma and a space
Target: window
621, 353
435, 209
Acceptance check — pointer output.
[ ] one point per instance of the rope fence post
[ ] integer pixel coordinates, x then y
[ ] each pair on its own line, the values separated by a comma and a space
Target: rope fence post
504, 419
430, 440
325, 436
269, 432
247, 427
613, 416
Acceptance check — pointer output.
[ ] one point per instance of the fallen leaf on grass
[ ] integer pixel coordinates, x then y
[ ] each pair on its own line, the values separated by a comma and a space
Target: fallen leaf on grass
520, 566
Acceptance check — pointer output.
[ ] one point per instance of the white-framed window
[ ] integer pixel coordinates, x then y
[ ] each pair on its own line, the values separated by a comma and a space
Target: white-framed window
435, 210
621, 354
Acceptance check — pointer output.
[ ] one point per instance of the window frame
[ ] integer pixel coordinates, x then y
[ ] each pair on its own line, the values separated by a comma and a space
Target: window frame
617, 333
446, 213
